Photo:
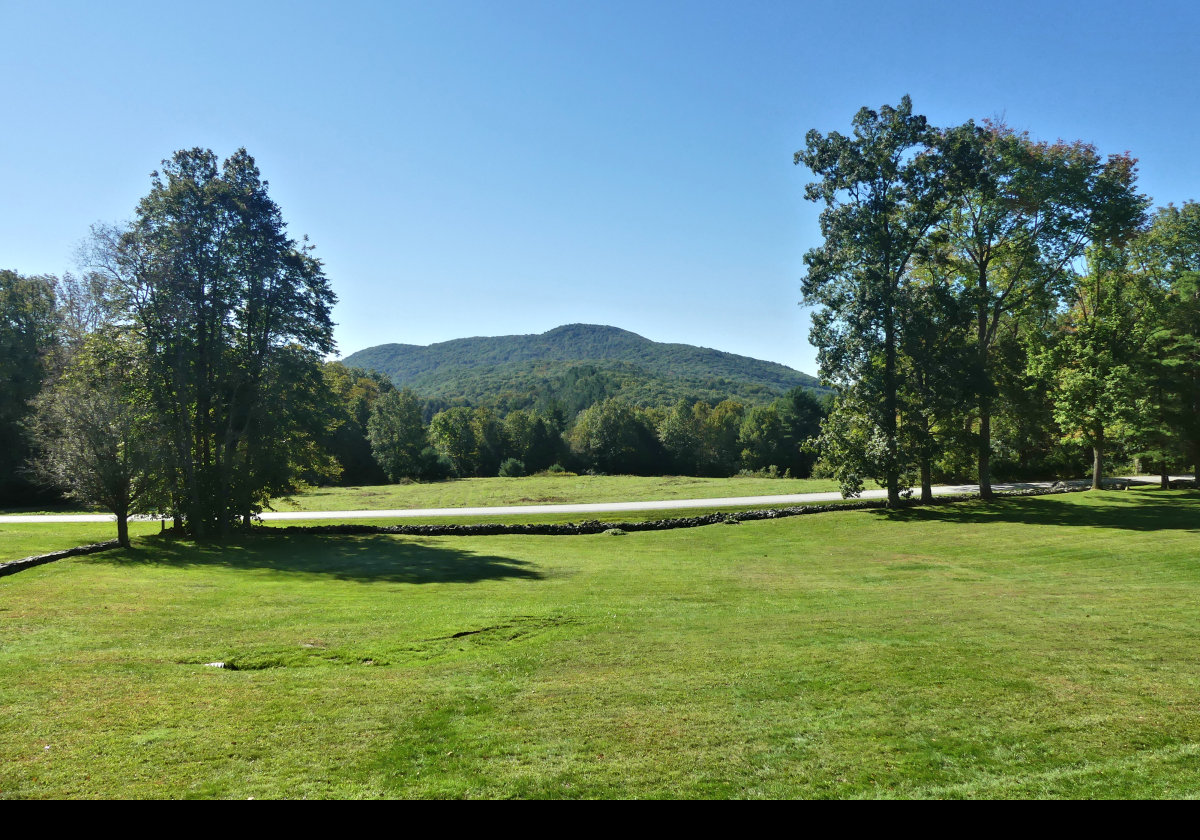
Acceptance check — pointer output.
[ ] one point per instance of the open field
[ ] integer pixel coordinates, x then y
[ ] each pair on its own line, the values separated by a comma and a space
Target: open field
1033, 647
545, 490
531, 490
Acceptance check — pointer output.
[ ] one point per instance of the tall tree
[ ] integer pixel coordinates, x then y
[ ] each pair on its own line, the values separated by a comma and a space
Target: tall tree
1024, 214
617, 438
1095, 360
883, 189
235, 317
1168, 255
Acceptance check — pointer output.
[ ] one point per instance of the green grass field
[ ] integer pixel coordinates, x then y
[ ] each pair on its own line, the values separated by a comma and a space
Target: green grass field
1033, 647
545, 490
531, 490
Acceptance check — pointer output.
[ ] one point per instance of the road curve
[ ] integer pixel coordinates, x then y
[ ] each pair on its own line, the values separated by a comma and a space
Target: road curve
533, 510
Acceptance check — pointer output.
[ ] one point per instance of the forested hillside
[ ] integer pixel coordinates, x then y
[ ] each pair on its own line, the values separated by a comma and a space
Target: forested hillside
577, 365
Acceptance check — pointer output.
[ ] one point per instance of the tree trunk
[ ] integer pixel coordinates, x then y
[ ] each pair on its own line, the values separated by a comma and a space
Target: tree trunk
1164, 479
1098, 463
123, 528
926, 481
984, 382
890, 406
985, 452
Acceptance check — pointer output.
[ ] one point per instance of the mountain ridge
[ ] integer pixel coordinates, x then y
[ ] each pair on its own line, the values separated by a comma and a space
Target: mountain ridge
461, 368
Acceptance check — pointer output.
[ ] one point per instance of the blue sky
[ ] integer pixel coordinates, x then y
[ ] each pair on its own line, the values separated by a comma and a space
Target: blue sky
488, 168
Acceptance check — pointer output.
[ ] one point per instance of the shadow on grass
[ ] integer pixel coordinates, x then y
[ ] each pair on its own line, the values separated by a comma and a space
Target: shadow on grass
364, 559
1127, 510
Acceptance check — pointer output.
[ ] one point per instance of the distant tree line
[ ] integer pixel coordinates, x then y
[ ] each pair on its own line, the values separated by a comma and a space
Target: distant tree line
609, 436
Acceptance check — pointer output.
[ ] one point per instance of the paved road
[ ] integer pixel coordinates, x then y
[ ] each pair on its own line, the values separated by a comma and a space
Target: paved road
525, 510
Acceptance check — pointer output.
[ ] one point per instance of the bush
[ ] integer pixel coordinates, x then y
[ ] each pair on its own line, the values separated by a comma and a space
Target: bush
435, 466
556, 471
512, 468
767, 472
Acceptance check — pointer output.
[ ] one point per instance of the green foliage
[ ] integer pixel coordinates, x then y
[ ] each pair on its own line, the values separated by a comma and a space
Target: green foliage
397, 434
574, 367
883, 190
680, 433
1024, 212
235, 317
452, 433
512, 468
617, 438
99, 435
356, 391
29, 337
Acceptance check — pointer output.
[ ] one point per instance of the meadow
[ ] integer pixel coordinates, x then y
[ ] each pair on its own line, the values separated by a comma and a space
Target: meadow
1036, 647
545, 490
530, 490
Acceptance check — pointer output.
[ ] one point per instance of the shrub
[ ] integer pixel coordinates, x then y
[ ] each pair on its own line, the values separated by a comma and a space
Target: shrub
556, 471
512, 468
766, 472
435, 466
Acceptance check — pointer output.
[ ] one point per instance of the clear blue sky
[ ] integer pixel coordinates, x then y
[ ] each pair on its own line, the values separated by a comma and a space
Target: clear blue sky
488, 168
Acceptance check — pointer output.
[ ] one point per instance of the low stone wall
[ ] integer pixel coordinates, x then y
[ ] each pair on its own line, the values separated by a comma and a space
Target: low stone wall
15, 566
595, 526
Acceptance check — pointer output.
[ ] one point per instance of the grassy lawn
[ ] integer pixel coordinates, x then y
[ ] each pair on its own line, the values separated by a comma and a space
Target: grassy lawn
1032, 647
17, 541
545, 490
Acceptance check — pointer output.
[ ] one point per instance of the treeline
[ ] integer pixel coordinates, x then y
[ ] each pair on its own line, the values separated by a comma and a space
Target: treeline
997, 306
387, 434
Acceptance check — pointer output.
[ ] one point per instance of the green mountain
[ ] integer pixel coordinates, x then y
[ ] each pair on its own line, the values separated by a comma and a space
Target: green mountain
576, 365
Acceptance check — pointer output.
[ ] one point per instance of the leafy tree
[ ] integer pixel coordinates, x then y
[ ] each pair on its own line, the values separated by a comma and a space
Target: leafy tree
883, 189
489, 434
763, 439
235, 317
1168, 255
1024, 213
1095, 362
614, 437
29, 335
531, 439
720, 427
397, 434
452, 433
802, 413
852, 451
681, 436
357, 393
97, 430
